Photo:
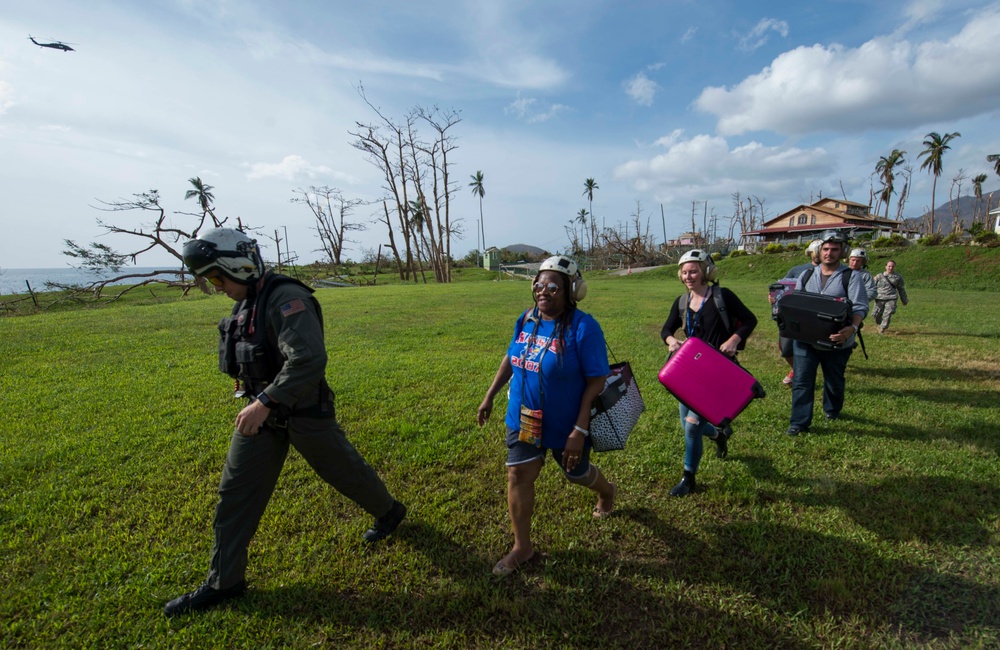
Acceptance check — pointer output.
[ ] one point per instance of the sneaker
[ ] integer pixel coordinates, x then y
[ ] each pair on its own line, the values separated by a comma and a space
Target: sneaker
787, 381
386, 524
833, 416
721, 439
685, 487
795, 430
202, 598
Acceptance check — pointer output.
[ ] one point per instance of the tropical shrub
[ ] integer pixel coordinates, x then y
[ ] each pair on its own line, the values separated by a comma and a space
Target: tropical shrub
737, 253
773, 248
931, 240
988, 239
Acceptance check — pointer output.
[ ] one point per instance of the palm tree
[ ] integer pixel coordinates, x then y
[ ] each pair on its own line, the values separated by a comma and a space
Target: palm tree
480, 191
589, 186
581, 218
977, 186
884, 168
202, 192
995, 159
936, 146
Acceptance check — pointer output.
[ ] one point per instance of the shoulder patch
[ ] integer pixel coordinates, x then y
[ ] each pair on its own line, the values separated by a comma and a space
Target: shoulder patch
292, 307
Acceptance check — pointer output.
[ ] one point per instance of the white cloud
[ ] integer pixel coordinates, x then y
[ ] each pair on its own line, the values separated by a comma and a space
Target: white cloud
641, 89
884, 83
705, 165
689, 34
758, 36
524, 108
291, 167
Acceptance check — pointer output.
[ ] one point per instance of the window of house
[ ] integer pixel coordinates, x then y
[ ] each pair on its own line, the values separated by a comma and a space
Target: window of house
791, 222
803, 220
813, 221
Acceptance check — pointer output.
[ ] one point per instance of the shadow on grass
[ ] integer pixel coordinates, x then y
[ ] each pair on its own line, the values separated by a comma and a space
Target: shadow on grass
802, 572
926, 374
930, 509
692, 594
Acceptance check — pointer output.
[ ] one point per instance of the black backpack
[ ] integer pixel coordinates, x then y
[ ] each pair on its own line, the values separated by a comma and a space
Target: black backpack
720, 306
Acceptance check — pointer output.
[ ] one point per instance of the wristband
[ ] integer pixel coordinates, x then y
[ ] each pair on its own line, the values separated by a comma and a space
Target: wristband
585, 432
267, 401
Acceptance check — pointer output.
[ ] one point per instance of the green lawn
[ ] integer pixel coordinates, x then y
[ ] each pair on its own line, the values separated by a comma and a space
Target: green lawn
879, 531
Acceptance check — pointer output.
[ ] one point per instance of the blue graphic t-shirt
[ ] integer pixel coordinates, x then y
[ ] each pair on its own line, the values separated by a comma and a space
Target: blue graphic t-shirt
564, 372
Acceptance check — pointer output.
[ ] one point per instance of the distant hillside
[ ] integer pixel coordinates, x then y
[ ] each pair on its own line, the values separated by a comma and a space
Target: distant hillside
526, 249
965, 268
966, 207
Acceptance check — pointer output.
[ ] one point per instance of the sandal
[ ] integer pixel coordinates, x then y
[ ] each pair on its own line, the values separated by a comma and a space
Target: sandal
604, 514
502, 570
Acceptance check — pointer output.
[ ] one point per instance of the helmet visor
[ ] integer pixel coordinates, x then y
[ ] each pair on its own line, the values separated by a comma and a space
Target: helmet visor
199, 256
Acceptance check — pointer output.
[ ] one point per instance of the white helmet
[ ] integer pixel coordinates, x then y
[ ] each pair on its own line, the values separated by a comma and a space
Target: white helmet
226, 250
569, 268
859, 252
695, 255
813, 249
703, 258
560, 264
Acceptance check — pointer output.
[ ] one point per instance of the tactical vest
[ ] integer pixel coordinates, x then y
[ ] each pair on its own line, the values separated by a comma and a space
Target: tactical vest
245, 352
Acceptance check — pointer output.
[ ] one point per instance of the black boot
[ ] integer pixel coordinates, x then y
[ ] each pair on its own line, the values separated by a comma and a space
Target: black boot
203, 598
386, 524
722, 441
685, 487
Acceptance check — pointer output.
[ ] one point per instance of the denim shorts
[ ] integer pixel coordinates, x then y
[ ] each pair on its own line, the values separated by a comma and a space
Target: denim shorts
521, 452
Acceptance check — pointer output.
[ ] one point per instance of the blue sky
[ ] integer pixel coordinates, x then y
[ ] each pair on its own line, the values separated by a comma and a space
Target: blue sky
662, 102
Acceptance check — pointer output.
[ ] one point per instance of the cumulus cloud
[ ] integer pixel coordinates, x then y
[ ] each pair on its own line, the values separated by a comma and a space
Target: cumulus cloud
758, 36
699, 166
641, 89
884, 83
291, 167
689, 34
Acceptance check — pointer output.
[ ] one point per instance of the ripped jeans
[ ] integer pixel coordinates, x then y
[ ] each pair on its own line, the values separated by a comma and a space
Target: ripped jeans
693, 433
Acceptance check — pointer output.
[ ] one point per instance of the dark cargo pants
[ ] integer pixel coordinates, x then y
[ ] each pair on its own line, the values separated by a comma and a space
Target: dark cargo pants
253, 465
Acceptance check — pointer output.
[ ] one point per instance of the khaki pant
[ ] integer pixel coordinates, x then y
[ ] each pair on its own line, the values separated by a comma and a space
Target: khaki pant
253, 465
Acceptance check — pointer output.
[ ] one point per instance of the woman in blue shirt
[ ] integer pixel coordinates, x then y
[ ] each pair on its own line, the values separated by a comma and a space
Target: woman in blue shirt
556, 364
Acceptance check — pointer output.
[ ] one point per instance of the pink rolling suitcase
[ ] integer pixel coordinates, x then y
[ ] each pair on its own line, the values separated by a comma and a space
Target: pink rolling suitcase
709, 382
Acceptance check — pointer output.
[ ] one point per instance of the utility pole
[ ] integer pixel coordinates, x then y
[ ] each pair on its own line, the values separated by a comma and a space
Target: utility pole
663, 220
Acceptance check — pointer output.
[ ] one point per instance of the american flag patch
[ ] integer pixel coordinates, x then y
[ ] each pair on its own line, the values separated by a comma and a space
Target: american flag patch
292, 307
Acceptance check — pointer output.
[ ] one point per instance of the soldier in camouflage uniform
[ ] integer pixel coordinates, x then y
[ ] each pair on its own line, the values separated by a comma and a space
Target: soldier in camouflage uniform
888, 289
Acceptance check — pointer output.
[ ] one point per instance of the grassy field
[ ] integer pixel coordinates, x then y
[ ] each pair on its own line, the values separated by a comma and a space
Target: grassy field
879, 531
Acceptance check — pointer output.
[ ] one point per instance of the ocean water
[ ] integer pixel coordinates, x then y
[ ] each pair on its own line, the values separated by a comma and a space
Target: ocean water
12, 281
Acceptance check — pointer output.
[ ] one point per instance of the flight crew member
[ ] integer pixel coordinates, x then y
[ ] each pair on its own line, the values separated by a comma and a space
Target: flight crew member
273, 344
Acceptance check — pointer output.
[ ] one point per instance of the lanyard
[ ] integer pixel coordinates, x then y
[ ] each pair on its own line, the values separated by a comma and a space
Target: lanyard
693, 318
524, 359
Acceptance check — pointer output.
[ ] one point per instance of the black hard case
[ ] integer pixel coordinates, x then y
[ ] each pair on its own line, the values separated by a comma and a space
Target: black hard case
812, 318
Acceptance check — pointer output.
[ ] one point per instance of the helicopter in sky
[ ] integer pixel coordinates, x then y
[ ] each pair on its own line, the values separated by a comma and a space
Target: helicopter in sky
57, 45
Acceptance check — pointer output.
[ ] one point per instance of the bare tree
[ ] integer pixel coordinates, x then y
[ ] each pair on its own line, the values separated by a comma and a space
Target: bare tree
631, 242
442, 185
954, 200
904, 194
160, 234
332, 211
418, 182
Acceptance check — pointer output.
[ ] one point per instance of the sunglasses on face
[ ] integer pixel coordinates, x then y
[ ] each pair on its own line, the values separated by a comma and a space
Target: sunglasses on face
215, 280
551, 288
